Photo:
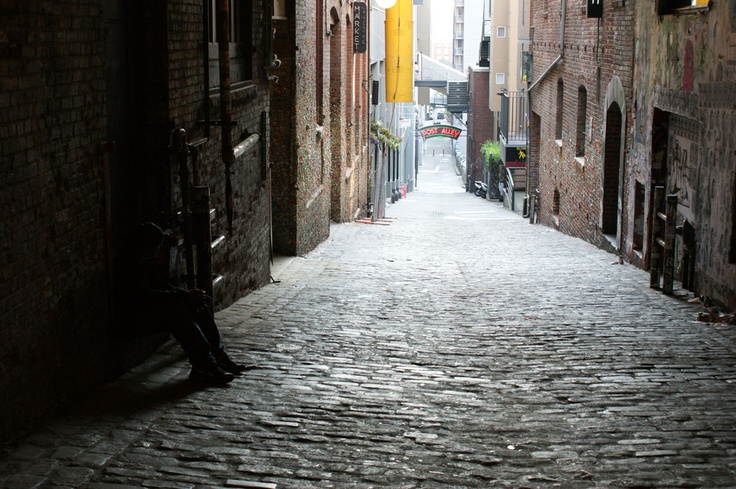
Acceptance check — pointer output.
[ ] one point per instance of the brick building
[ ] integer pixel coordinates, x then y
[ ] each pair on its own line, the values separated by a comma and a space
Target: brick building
480, 119
581, 107
684, 140
112, 113
617, 126
319, 114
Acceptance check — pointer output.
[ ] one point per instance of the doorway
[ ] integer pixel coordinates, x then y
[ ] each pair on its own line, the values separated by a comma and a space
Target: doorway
611, 174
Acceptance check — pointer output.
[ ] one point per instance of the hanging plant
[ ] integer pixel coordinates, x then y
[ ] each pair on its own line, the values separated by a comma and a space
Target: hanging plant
381, 134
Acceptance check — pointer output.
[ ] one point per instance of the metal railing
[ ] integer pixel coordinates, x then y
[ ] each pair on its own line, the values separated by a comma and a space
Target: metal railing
509, 188
513, 120
431, 69
514, 180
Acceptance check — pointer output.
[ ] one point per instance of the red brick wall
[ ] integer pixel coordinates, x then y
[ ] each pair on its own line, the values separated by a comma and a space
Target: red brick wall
593, 57
320, 137
480, 119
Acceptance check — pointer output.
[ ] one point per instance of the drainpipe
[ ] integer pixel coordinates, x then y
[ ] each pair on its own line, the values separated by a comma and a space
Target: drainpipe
223, 43
558, 59
562, 50
562, 29
206, 65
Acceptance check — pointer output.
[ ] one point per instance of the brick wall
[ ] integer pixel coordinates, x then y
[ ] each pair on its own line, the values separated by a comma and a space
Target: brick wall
53, 302
595, 57
320, 135
72, 80
480, 119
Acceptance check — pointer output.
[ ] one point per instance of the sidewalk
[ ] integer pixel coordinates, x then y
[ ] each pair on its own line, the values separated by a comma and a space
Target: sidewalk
458, 346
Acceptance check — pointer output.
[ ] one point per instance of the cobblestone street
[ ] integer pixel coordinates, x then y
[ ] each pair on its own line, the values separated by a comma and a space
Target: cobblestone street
452, 345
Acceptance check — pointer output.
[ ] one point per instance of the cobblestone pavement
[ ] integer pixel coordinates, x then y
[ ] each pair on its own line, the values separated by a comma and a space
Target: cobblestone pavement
454, 345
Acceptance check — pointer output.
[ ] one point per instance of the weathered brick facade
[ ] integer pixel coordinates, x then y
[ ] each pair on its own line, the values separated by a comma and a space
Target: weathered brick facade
75, 76
319, 114
595, 69
658, 113
684, 138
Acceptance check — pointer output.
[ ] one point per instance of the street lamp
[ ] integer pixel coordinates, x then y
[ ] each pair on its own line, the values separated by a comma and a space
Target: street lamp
385, 3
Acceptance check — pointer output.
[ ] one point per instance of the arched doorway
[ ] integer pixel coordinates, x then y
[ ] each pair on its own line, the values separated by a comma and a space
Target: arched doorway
611, 170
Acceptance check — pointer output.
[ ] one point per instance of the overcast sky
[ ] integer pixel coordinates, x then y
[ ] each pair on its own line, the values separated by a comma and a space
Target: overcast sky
442, 19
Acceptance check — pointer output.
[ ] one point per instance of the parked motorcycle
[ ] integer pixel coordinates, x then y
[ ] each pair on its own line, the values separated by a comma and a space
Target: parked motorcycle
481, 189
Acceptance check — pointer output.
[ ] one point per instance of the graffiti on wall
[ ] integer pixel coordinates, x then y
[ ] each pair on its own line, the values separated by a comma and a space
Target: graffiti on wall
682, 161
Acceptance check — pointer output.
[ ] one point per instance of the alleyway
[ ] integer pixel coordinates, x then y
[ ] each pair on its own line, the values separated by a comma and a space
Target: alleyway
454, 345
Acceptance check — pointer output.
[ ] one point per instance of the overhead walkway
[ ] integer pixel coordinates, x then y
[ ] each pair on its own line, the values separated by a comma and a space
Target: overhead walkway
438, 76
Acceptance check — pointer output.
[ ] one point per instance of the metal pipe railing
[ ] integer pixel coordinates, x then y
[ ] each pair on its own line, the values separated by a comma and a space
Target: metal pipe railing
509, 187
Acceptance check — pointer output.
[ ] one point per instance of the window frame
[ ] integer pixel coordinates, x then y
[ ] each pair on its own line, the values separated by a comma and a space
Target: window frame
240, 23
559, 115
682, 7
581, 122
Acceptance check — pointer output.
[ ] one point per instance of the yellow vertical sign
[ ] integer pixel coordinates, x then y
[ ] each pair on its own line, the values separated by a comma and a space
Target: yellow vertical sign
400, 52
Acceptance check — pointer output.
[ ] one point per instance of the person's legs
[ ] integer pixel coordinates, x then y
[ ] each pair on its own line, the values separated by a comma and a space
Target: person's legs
191, 336
207, 325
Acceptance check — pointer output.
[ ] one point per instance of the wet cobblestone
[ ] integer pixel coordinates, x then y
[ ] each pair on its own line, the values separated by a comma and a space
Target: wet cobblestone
457, 346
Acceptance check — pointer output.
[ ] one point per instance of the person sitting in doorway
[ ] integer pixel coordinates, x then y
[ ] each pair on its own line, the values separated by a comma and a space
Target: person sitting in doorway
186, 314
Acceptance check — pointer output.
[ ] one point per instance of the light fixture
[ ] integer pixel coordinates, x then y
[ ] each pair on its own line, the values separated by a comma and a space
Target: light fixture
385, 3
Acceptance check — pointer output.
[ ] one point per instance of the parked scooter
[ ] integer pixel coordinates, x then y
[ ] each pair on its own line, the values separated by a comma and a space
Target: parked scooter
481, 189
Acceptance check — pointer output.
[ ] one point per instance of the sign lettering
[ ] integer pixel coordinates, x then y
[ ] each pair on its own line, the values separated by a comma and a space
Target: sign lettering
360, 25
440, 131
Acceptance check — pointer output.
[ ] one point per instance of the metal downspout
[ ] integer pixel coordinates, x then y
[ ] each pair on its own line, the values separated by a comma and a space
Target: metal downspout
560, 57
544, 74
206, 66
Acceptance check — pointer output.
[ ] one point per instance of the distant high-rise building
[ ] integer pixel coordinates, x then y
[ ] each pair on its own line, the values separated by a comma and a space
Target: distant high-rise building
466, 33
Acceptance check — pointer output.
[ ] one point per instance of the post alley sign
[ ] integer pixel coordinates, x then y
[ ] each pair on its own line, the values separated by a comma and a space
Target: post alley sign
440, 131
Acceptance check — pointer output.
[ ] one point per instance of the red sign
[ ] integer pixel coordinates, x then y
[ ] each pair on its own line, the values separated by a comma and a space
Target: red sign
440, 131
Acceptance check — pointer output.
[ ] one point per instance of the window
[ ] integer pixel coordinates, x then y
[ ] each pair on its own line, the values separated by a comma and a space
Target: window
665, 7
240, 25
580, 126
501, 31
558, 117
500, 78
